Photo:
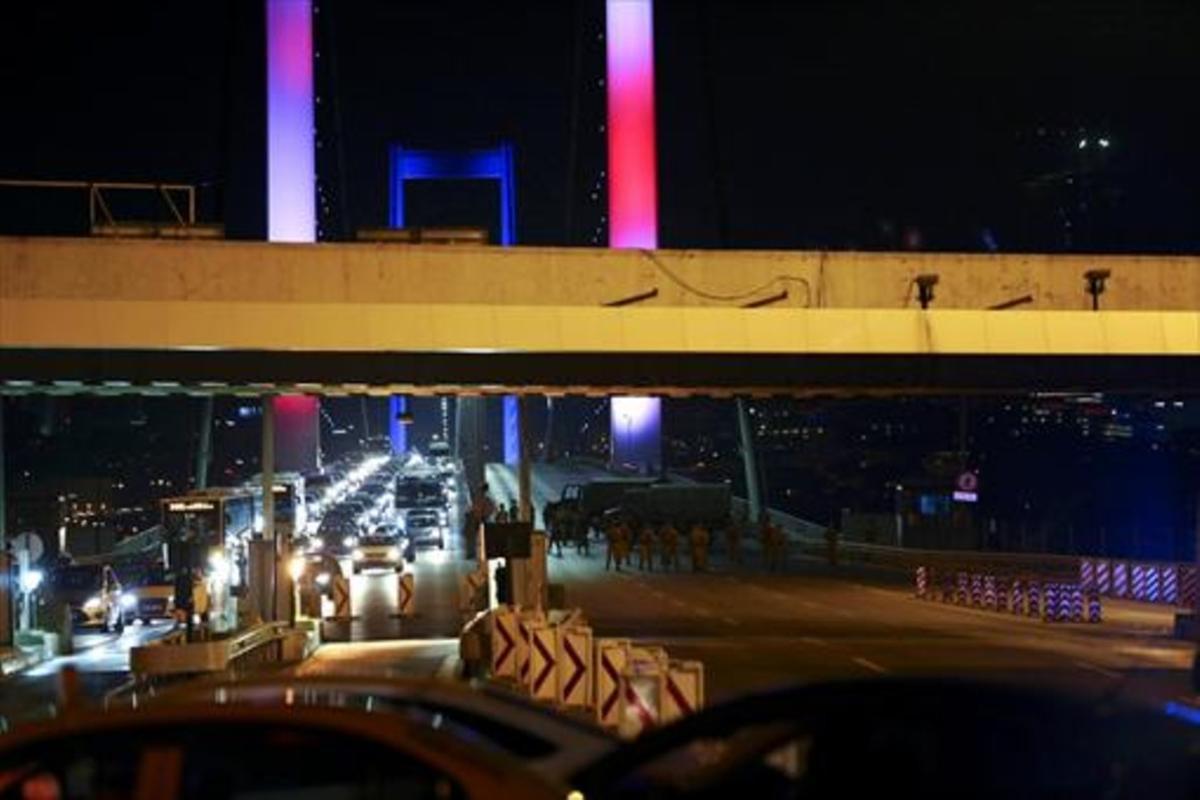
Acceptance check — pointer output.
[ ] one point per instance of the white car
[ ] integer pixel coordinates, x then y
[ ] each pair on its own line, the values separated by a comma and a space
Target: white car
377, 552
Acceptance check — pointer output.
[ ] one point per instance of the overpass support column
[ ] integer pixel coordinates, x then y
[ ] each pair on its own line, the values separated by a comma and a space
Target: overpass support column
397, 432
5, 573
525, 471
749, 460
264, 555
204, 445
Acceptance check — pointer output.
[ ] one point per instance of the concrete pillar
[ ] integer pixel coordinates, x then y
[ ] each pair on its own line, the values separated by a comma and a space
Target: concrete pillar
512, 429
265, 594
6, 637
204, 444
397, 431
749, 460
297, 433
525, 469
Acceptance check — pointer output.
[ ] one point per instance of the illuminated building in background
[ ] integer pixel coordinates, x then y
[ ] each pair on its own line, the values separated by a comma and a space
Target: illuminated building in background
636, 422
291, 192
486, 164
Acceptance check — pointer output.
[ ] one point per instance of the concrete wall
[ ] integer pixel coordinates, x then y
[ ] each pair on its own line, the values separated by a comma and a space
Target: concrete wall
376, 273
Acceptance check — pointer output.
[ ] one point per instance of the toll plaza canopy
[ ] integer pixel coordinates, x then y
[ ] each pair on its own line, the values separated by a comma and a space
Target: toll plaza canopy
138, 315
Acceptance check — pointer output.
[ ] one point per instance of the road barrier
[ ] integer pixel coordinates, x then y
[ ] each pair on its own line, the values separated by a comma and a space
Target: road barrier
683, 690
575, 678
340, 590
268, 642
627, 687
642, 688
405, 594
611, 657
1167, 583
1048, 600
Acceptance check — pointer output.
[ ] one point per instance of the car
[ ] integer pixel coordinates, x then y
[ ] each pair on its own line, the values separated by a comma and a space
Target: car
152, 589
425, 526
94, 596
377, 552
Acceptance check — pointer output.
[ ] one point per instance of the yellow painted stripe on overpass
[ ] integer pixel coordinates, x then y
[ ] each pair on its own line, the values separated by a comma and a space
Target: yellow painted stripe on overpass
371, 327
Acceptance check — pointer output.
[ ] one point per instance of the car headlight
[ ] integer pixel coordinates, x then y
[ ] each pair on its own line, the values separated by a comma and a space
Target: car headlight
393, 554
323, 579
128, 600
92, 604
358, 555
350, 541
316, 546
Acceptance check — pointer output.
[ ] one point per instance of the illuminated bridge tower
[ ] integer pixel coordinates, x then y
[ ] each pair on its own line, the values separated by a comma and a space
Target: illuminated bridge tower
635, 425
291, 193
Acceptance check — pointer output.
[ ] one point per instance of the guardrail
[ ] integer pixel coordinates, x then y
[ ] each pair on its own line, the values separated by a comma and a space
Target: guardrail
271, 641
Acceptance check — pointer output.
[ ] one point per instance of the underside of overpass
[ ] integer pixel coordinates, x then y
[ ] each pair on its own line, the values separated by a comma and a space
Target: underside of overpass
160, 317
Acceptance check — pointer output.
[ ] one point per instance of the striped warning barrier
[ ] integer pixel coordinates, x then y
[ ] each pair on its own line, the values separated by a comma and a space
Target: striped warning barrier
1050, 598
1018, 596
1087, 572
1075, 602
947, 582
1093, 605
1152, 584
1033, 597
1137, 581
642, 689
1169, 576
922, 581
1103, 577
1120, 579
1189, 586
683, 690
962, 589
1003, 591
976, 589
989, 592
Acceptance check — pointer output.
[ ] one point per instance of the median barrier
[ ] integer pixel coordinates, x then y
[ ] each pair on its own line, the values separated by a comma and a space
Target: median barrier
683, 689
1045, 599
272, 641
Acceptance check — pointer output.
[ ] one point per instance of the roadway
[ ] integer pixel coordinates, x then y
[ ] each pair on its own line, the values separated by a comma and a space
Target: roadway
101, 659
810, 622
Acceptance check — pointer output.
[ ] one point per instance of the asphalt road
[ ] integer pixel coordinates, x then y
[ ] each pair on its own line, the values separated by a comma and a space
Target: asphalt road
812, 622
102, 661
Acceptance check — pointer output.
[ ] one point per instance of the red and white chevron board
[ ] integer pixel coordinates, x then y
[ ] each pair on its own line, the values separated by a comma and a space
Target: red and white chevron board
575, 666
641, 697
341, 597
525, 618
504, 643
543, 661
611, 656
683, 690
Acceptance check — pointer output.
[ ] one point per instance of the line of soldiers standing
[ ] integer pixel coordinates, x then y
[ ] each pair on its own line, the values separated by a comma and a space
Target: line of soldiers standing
624, 535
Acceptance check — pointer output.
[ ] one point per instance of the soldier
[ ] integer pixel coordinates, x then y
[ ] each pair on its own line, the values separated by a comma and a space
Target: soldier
611, 556
550, 519
646, 548
670, 546
502, 514
733, 540
699, 540
624, 542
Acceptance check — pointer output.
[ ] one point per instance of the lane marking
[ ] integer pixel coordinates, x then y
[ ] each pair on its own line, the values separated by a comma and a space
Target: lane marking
871, 665
730, 621
702, 611
675, 601
814, 641
1108, 673
809, 604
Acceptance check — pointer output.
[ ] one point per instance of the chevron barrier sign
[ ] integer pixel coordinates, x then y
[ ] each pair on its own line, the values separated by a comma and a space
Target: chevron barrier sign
683, 691
526, 618
641, 690
504, 643
575, 666
543, 661
611, 657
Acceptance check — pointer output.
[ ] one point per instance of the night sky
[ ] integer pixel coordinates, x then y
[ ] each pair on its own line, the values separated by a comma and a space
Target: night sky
781, 125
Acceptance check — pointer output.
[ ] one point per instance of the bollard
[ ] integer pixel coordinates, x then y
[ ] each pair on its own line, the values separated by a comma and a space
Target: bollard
922, 581
962, 594
1050, 599
1120, 579
1018, 596
1075, 594
976, 589
1033, 596
1003, 587
1093, 600
1152, 584
1137, 581
1169, 575
1103, 577
1189, 583
1087, 572
989, 592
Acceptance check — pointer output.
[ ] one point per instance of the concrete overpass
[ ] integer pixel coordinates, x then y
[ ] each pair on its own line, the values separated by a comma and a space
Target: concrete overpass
116, 316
